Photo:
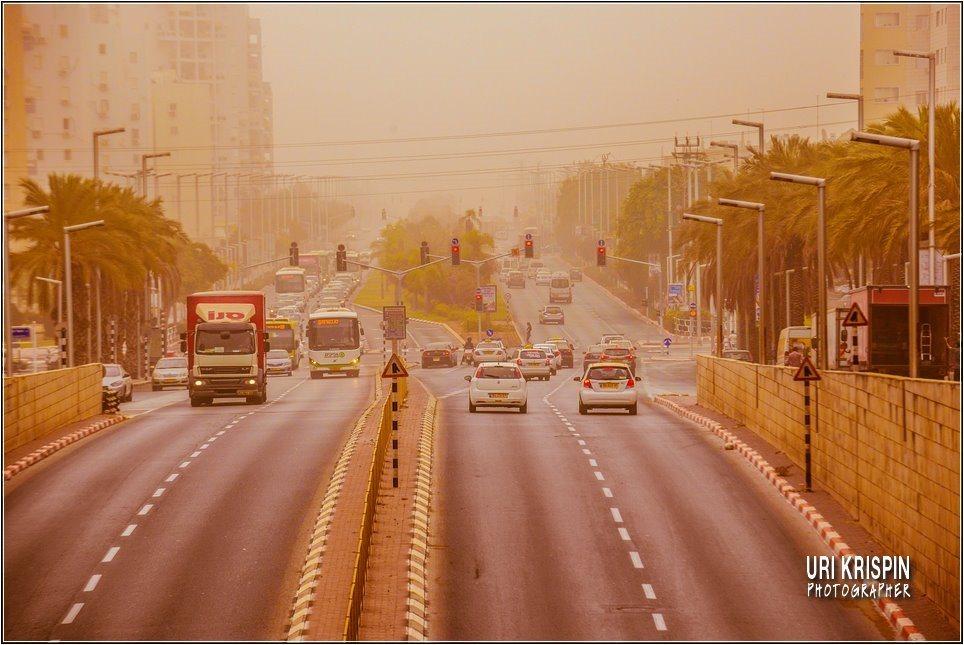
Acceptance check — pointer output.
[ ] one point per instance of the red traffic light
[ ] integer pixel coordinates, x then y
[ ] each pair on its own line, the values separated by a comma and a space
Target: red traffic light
529, 243
478, 296
455, 249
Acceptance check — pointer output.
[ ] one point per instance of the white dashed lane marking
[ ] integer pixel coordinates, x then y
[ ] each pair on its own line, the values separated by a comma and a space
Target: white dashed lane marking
592, 462
158, 492
184, 464
624, 534
648, 591
637, 561
607, 492
586, 451
195, 454
145, 509
130, 529
92, 583
617, 516
581, 442
111, 552
69, 618
171, 478
660, 623
599, 476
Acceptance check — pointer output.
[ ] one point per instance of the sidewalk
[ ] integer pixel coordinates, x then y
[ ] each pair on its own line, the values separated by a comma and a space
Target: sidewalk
925, 614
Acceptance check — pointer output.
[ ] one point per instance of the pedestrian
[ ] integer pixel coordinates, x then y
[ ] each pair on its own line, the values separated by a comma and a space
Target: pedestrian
795, 358
528, 333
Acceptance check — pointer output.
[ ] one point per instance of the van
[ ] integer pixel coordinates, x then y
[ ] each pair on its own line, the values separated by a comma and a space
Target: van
560, 289
800, 336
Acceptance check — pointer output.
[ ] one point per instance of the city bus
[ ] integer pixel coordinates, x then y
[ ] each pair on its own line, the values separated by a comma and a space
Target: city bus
335, 341
291, 287
285, 334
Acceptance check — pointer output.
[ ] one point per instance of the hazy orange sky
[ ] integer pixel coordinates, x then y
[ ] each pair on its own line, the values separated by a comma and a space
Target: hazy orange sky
389, 71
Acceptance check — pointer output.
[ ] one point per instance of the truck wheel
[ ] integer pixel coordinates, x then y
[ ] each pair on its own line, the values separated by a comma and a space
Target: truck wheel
252, 400
315, 375
195, 402
155, 388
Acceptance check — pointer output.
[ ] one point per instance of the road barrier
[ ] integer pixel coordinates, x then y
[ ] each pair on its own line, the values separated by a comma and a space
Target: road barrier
110, 403
360, 569
887, 448
36, 404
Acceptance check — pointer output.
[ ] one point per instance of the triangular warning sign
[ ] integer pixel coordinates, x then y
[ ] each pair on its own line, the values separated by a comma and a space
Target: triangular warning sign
394, 368
807, 372
855, 317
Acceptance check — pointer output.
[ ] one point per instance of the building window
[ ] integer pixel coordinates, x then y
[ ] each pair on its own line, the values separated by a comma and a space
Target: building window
887, 19
886, 94
64, 31
885, 57
102, 48
68, 154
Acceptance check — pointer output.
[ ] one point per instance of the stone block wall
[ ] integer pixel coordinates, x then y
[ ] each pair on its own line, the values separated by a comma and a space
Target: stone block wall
887, 448
35, 404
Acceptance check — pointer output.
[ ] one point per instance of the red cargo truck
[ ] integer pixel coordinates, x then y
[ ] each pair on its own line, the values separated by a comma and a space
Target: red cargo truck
225, 344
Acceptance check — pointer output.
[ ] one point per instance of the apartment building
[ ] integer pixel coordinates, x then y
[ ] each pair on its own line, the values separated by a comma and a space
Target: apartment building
180, 78
888, 81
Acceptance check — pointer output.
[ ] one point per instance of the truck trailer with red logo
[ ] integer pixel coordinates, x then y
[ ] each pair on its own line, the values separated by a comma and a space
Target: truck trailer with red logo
226, 343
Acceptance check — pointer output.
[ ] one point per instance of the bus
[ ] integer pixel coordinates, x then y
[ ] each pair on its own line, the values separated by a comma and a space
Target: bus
290, 286
335, 339
284, 334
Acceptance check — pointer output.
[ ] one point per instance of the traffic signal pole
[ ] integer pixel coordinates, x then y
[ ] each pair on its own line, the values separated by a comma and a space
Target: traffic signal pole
650, 264
478, 279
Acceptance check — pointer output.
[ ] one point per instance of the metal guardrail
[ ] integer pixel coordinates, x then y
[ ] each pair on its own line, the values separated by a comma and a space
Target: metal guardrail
360, 571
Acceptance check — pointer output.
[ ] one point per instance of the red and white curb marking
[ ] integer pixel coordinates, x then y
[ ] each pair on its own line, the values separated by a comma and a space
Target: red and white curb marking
902, 624
297, 629
45, 451
416, 616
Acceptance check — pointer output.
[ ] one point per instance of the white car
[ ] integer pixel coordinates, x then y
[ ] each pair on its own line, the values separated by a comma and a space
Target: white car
606, 338
543, 277
534, 363
277, 361
607, 385
168, 372
498, 385
117, 380
553, 352
489, 350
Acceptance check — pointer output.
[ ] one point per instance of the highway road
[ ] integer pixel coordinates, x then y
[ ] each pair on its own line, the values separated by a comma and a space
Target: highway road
180, 524
557, 526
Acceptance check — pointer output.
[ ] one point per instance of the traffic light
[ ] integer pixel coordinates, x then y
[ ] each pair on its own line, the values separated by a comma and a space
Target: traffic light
601, 255
478, 302
528, 248
515, 251
293, 254
456, 254
341, 258
423, 253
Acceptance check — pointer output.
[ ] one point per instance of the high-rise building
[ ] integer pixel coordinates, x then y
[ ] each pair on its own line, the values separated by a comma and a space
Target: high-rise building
180, 78
888, 81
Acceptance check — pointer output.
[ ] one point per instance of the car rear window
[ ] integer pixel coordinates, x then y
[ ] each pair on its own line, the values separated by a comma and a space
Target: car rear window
559, 283
171, 363
553, 310
608, 374
488, 346
532, 353
617, 351
498, 371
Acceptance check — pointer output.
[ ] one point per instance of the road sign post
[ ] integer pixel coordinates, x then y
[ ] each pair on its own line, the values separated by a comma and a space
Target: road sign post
394, 369
855, 319
394, 320
806, 373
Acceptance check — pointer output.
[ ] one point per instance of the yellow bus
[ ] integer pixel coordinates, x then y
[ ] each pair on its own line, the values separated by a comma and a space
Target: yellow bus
285, 334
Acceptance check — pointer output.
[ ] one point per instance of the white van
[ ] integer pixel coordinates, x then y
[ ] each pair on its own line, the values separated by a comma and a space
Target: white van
560, 288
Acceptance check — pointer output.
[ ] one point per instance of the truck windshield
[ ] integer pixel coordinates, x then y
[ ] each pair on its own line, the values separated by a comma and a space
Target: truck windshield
215, 341
333, 333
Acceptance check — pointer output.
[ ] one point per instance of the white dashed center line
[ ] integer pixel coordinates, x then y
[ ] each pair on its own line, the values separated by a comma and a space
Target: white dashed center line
592, 462
218, 434
92, 583
73, 613
204, 445
617, 517
145, 509
599, 476
111, 552
184, 464
195, 454
624, 534
637, 561
171, 478
158, 492
648, 590
660, 623
581, 442
607, 492
586, 451
130, 529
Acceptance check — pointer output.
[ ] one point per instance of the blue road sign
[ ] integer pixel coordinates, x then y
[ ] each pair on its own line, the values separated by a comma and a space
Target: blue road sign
455, 241
667, 342
489, 332
20, 333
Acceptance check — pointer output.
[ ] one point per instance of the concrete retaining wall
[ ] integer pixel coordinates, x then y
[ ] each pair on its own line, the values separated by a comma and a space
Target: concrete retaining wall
35, 404
888, 448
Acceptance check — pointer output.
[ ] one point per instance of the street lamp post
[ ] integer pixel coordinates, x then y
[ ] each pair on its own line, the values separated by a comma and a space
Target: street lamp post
97, 135
760, 209
931, 82
669, 217
752, 124
68, 278
861, 263
823, 347
719, 274
736, 152
144, 159
913, 269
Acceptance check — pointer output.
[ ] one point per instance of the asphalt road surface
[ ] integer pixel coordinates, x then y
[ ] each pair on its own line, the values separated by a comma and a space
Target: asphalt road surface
557, 526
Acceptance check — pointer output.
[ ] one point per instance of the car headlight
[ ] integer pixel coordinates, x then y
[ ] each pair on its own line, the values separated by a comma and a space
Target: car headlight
199, 382
251, 381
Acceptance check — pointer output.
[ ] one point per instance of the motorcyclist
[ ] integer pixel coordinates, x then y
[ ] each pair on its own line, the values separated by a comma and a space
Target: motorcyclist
467, 351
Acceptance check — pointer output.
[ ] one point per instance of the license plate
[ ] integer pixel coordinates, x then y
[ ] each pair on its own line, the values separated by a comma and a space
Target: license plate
435, 360
609, 386
533, 364
247, 392
498, 395
170, 380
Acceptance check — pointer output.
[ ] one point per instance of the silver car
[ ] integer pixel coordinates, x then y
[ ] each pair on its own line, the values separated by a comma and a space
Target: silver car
607, 385
117, 380
534, 363
169, 372
278, 362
